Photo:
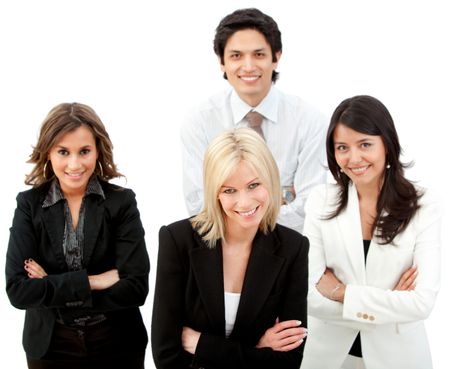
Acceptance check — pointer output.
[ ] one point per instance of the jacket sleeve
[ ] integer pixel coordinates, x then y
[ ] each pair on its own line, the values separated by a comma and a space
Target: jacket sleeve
388, 306
168, 306
49, 292
220, 352
131, 261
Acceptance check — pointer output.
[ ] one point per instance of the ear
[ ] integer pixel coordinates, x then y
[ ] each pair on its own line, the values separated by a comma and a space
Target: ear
278, 56
222, 67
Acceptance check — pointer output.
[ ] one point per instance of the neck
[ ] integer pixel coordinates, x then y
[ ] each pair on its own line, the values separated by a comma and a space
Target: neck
242, 238
368, 192
253, 100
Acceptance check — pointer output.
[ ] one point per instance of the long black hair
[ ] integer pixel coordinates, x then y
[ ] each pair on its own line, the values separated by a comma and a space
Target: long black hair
398, 199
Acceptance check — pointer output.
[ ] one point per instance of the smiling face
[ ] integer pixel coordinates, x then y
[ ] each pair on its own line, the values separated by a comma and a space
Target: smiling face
73, 160
361, 157
244, 199
248, 65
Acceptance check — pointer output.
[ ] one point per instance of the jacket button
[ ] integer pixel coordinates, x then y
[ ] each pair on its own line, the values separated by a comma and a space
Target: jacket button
365, 316
359, 315
371, 318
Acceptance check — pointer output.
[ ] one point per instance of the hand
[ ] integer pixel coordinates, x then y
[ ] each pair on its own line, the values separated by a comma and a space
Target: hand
189, 339
104, 280
284, 336
330, 286
407, 281
34, 270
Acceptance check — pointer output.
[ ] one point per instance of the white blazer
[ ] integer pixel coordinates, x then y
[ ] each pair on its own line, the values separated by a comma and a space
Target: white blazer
391, 322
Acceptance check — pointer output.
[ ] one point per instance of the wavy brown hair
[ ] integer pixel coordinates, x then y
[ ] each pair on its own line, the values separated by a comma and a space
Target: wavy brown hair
398, 199
62, 119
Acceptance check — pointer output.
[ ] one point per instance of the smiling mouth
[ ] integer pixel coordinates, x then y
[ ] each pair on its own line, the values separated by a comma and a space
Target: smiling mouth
248, 213
74, 175
359, 170
249, 78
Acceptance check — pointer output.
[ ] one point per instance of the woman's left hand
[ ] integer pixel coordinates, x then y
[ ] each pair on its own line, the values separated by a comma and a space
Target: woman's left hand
330, 286
189, 339
34, 270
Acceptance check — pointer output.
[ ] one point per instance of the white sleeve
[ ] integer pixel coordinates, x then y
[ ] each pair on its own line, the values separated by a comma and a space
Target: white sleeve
311, 171
387, 306
193, 146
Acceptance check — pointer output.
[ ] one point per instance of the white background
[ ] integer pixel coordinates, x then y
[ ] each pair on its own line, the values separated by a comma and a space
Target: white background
142, 64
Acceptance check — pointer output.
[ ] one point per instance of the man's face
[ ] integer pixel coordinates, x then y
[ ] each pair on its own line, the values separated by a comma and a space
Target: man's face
248, 65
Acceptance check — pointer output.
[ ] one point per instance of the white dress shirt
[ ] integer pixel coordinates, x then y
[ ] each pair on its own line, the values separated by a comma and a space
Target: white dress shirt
294, 132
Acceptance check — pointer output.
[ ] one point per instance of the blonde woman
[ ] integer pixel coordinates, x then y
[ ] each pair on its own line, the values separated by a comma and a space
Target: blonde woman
231, 284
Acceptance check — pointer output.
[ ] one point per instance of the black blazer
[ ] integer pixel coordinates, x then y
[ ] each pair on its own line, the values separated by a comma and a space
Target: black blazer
114, 238
189, 292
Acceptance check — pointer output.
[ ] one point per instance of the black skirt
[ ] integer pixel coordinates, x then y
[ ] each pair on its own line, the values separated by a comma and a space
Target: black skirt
96, 346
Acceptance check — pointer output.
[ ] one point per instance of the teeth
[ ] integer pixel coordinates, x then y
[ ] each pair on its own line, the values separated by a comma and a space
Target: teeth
250, 78
359, 170
248, 213
74, 174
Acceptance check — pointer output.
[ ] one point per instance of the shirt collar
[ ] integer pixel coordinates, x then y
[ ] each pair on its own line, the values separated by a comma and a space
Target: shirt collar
55, 194
268, 107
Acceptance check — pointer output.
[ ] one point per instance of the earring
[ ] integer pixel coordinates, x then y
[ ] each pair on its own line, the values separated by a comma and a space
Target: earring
44, 170
101, 168
341, 170
388, 166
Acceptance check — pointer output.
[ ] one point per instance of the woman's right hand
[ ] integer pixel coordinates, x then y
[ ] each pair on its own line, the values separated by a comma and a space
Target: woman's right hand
104, 280
284, 336
407, 281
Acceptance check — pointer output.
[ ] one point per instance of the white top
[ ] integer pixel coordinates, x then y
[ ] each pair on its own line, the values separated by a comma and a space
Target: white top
294, 131
231, 306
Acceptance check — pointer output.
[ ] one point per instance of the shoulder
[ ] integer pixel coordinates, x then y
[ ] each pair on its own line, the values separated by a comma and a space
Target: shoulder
291, 241
430, 207
322, 196
302, 109
213, 105
33, 196
117, 193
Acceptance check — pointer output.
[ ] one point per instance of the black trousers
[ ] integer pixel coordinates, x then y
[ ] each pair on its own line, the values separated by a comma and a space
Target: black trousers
91, 347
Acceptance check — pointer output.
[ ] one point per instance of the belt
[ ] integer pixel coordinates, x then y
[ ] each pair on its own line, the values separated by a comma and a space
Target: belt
82, 321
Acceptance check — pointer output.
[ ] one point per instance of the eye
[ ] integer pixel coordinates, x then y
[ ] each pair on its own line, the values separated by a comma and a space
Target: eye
235, 56
366, 145
253, 185
229, 191
341, 148
85, 151
63, 152
260, 55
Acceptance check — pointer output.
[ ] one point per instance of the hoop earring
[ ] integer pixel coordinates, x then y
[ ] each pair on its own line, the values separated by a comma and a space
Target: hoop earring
44, 170
388, 166
101, 168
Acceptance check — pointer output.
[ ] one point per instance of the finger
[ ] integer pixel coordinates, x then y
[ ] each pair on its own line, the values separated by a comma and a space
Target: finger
411, 280
289, 332
278, 327
289, 344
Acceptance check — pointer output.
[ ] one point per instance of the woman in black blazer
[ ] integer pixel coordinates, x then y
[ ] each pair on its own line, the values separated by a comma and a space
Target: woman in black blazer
76, 259
231, 284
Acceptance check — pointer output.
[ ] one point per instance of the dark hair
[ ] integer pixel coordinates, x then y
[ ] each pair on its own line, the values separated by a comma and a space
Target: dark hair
398, 199
62, 119
250, 18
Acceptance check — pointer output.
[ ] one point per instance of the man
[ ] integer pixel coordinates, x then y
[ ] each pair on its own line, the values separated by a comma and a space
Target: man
248, 45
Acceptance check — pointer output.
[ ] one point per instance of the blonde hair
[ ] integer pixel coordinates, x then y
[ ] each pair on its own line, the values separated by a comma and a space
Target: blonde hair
222, 157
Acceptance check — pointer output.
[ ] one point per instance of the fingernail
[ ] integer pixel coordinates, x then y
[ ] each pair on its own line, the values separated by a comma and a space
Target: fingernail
299, 322
30, 260
301, 341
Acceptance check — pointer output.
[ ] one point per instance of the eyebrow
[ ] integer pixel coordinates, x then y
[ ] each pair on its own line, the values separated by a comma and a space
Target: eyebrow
359, 141
253, 180
232, 51
65, 148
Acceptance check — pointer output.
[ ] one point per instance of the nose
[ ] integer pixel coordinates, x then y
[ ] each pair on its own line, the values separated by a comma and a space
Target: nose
248, 63
243, 199
355, 156
74, 162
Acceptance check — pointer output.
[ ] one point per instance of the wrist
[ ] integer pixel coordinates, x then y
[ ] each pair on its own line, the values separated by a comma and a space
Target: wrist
338, 293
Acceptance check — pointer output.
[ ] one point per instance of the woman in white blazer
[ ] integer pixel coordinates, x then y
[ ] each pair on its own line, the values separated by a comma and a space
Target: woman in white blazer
367, 300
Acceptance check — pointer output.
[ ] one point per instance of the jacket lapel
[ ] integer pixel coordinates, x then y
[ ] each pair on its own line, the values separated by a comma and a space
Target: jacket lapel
53, 220
207, 266
351, 234
92, 225
260, 276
